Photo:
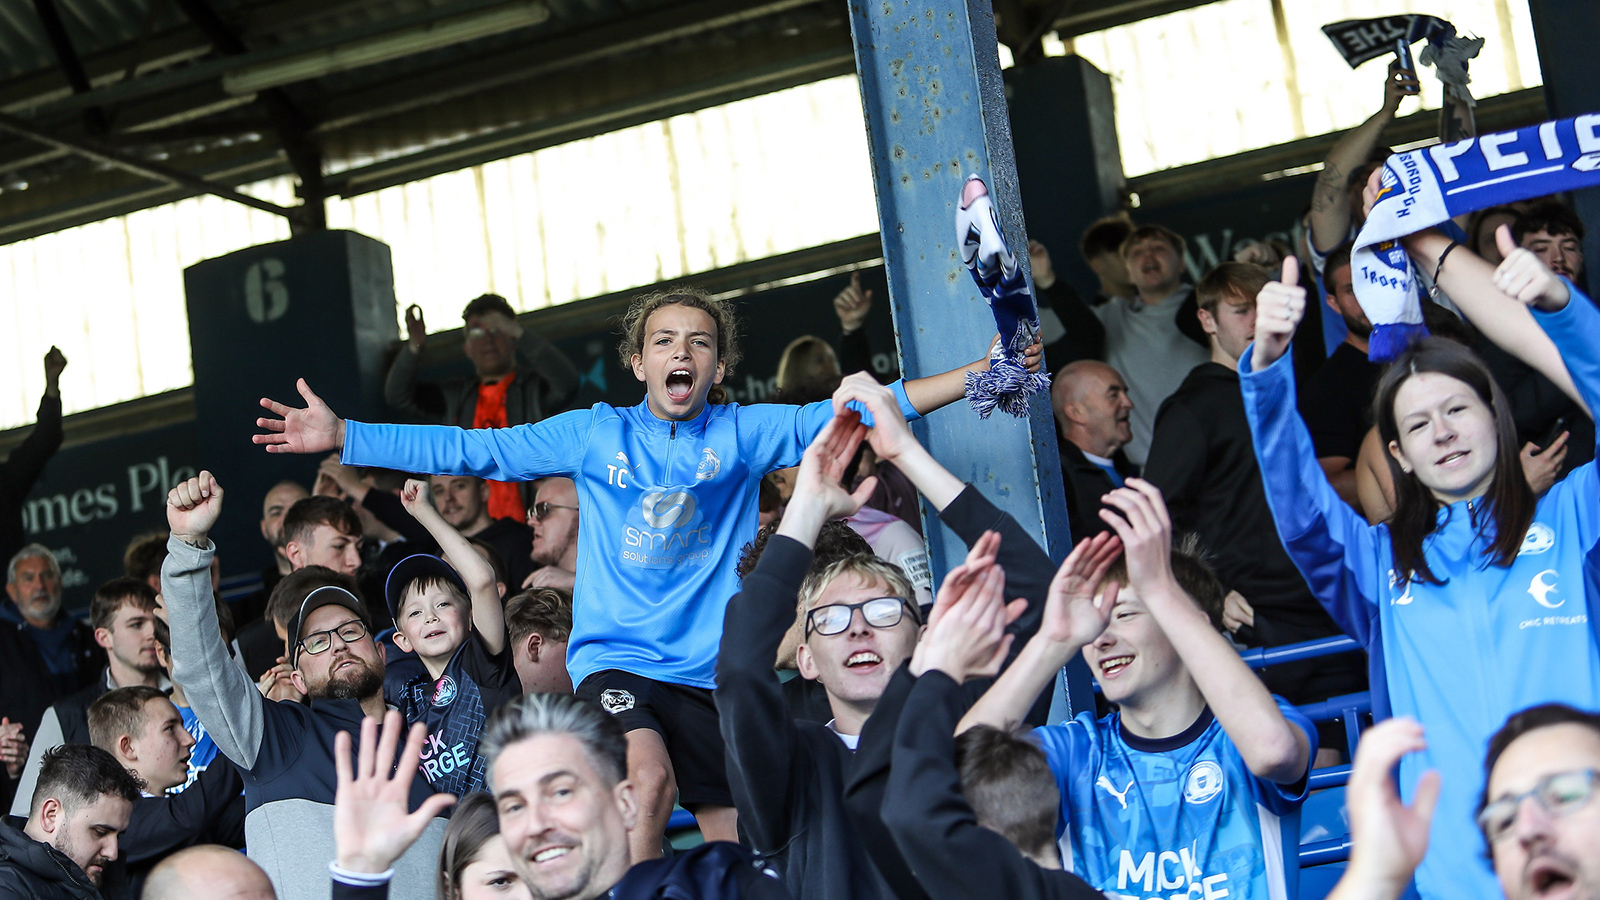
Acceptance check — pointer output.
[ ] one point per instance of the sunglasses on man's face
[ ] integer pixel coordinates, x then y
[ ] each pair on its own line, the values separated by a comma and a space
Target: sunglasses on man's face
541, 510
879, 612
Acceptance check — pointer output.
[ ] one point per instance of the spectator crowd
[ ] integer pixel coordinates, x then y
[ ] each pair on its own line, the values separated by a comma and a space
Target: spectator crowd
502, 641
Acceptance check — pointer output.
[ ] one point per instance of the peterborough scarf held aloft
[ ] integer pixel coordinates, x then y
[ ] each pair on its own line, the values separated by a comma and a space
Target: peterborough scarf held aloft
1422, 188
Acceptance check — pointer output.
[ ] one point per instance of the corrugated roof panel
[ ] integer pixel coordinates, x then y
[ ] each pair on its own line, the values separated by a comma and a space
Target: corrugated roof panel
93, 26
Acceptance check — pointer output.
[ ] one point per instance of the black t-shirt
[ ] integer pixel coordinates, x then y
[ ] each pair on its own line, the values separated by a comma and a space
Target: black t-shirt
454, 709
1337, 404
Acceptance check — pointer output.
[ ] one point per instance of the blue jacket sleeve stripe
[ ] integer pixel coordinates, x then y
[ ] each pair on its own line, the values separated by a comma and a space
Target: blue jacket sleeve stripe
1331, 546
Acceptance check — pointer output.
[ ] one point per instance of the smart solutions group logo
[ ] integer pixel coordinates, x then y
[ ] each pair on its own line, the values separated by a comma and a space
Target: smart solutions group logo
666, 529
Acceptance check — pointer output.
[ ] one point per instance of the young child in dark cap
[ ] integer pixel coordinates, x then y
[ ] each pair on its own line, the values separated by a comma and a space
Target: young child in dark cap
449, 614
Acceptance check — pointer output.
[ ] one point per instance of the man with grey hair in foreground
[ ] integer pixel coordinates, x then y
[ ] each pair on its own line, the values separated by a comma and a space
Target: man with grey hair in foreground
211, 871
558, 766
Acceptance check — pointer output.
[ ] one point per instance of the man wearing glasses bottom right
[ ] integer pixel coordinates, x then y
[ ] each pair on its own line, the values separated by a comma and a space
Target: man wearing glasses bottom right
1539, 815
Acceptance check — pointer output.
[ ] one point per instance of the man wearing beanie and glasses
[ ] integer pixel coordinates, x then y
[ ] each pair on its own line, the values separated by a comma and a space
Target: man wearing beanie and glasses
285, 750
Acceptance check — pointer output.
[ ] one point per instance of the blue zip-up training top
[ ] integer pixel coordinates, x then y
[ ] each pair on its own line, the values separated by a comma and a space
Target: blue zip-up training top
663, 508
1460, 657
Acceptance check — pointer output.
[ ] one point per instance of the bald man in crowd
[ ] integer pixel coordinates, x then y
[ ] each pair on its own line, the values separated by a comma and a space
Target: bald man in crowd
208, 870
1093, 422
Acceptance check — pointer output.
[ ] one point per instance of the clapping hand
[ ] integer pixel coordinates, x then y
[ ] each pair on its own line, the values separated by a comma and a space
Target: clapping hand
1388, 838
891, 435
372, 825
1075, 610
1146, 533
275, 684
818, 492
13, 747
969, 639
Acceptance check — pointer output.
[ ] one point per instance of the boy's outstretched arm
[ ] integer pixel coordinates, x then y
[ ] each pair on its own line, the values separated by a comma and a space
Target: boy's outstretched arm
488, 616
1272, 747
935, 391
1073, 617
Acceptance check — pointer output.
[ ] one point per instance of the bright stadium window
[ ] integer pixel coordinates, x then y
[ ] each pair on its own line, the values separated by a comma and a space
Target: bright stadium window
1214, 81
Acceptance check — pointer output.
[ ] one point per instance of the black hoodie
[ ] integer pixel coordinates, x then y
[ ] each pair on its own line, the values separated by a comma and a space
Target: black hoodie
789, 777
31, 870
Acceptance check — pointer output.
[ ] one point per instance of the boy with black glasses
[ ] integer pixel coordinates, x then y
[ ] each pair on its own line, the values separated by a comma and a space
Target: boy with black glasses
788, 777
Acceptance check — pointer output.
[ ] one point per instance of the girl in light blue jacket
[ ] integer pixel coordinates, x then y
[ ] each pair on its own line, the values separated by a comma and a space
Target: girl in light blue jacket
1473, 598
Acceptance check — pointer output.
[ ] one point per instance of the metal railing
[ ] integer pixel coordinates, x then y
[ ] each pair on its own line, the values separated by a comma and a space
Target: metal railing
1351, 709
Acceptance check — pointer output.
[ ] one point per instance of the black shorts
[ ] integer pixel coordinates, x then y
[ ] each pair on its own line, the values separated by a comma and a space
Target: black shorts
686, 719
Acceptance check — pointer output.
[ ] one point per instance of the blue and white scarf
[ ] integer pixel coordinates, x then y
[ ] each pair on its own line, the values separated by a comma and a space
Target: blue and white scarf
998, 273
1422, 188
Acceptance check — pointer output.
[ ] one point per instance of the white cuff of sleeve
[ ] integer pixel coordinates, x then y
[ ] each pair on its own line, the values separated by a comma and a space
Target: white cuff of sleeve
359, 879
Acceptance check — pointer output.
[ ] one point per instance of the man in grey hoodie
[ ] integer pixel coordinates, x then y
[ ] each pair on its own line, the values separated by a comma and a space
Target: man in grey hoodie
285, 750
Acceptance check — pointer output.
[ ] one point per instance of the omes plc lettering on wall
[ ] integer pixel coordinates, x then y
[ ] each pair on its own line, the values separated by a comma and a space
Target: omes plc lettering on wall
88, 508
146, 484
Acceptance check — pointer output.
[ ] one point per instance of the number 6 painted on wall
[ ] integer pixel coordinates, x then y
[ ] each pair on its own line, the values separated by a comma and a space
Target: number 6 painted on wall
266, 298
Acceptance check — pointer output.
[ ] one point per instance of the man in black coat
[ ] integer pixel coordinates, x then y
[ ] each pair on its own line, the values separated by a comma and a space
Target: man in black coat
518, 377
80, 807
1093, 413
65, 643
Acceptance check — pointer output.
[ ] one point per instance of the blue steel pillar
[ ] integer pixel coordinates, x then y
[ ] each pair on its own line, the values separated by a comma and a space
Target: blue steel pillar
936, 112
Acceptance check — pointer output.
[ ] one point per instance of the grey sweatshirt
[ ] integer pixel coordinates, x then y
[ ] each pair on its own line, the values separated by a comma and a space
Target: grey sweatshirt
283, 749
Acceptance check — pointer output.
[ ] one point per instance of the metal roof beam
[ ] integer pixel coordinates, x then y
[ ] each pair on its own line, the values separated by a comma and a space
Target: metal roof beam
589, 122
523, 63
143, 168
206, 70
1111, 13
290, 124
55, 30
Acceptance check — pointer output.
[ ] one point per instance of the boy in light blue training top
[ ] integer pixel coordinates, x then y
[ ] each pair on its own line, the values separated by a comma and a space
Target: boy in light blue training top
1193, 787
667, 495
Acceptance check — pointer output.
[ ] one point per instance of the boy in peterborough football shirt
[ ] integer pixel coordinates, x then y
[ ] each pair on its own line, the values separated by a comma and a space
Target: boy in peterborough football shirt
449, 614
1193, 786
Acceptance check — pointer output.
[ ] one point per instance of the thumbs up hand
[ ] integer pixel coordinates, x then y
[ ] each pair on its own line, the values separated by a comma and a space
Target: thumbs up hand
1279, 308
1524, 277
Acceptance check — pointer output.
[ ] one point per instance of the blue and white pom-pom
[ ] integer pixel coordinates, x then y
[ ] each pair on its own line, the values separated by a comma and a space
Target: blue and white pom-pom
1008, 384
